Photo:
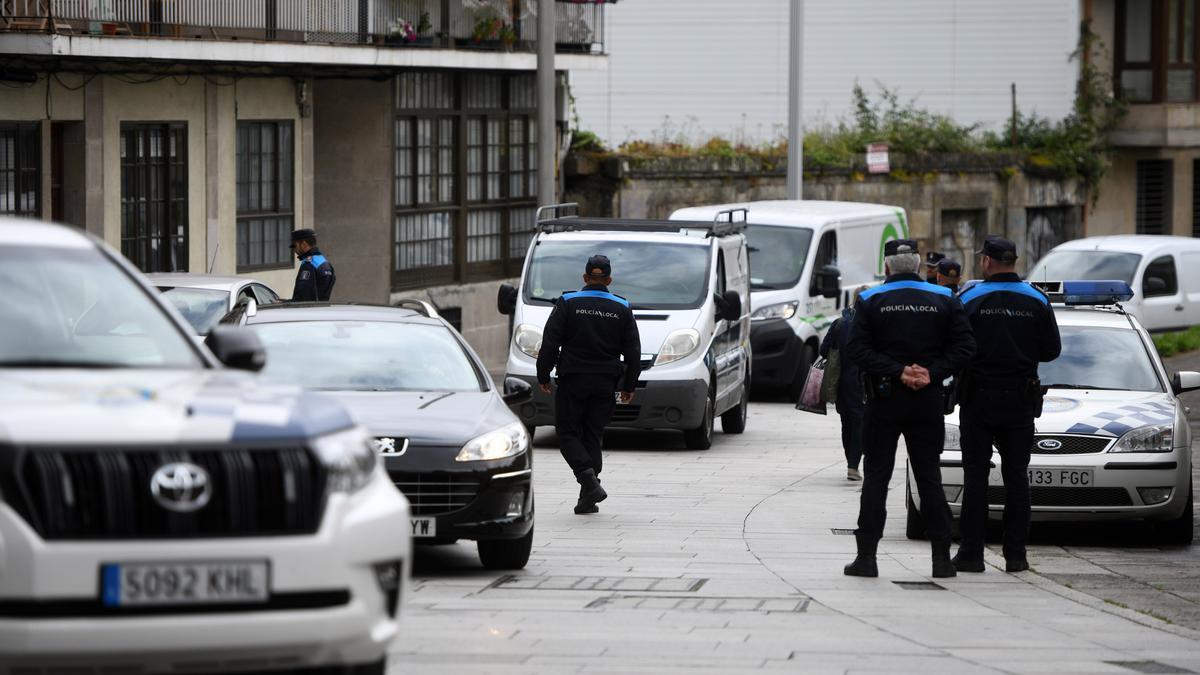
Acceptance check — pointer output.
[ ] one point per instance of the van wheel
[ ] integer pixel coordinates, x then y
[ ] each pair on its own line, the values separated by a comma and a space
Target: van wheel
807, 356
1178, 532
733, 421
701, 437
506, 554
914, 524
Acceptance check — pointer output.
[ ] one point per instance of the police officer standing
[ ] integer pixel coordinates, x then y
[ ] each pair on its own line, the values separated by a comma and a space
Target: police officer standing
931, 262
586, 337
949, 272
315, 278
907, 337
1000, 395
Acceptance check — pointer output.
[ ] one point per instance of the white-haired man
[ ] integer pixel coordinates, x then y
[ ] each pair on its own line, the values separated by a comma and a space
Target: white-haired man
907, 337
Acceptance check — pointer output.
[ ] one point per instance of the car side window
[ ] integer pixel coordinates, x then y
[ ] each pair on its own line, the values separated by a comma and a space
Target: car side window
264, 295
1160, 278
827, 254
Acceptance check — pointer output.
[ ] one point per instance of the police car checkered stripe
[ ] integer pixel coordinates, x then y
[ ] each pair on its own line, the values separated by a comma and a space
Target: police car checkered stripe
1119, 421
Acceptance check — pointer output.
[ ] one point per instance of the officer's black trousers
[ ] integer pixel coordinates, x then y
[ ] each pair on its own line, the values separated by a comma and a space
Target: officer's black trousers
918, 417
583, 405
1002, 419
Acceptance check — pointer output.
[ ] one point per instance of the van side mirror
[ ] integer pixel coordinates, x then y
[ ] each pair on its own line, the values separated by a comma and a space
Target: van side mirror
829, 281
729, 306
1154, 286
516, 391
237, 348
506, 299
1185, 380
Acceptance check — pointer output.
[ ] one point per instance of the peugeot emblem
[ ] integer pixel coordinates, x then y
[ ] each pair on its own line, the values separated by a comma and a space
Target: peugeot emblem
387, 446
1049, 444
181, 487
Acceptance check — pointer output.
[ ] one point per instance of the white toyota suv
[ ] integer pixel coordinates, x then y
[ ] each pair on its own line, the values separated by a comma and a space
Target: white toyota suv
160, 513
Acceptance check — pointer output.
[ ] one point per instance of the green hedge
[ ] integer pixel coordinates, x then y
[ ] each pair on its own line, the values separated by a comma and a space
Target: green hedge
1170, 344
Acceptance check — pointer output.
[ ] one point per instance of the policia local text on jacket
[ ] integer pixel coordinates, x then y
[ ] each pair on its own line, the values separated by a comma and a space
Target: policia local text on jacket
1000, 395
905, 321
588, 334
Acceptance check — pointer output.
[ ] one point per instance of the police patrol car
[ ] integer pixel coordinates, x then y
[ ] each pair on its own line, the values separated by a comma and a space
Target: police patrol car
1113, 441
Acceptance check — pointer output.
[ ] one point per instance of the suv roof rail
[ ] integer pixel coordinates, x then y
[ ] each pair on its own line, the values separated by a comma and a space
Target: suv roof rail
715, 228
419, 306
556, 211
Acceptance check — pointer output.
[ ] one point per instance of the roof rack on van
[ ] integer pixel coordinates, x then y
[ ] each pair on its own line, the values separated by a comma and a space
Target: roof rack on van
556, 211
724, 223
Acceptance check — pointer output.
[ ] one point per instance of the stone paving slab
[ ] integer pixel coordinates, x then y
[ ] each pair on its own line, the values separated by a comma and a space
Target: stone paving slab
753, 517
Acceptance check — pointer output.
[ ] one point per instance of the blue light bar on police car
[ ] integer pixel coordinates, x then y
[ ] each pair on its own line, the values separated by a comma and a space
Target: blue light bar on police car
1086, 292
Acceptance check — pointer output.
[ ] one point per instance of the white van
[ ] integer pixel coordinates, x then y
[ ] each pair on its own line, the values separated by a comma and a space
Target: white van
689, 287
1164, 272
798, 252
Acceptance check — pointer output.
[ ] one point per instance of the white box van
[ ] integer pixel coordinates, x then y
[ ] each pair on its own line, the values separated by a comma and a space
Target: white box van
798, 252
1164, 272
688, 284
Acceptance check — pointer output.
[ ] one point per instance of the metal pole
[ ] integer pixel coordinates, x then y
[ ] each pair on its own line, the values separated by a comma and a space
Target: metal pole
795, 172
546, 131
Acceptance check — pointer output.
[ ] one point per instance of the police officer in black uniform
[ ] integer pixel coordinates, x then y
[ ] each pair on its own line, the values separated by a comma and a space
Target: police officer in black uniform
586, 337
907, 337
315, 278
931, 262
949, 273
1000, 395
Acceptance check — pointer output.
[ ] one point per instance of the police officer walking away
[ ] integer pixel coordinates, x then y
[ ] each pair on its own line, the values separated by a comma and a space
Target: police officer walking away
1000, 395
907, 337
315, 278
949, 273
586, 336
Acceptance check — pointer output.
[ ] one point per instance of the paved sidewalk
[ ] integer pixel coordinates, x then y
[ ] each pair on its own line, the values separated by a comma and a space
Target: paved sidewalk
727, 561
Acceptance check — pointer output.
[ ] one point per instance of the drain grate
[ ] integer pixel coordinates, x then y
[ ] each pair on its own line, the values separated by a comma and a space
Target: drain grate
838, 530
729, 604
919, 586
629, 584
1149, 667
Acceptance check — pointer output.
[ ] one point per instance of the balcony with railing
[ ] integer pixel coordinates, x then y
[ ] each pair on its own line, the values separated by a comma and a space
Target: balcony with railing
499, 25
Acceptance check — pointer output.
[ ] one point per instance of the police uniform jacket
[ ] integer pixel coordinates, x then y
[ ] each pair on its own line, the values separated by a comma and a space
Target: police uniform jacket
590, 331
314, 279
849, 390
1015, 330
907, 320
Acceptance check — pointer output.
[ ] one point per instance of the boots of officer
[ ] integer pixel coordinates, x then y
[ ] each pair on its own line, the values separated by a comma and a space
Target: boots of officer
965, 563
864, 564
943, 567
590, 492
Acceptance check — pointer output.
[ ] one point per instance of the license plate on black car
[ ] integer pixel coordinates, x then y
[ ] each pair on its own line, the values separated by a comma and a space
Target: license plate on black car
184, 583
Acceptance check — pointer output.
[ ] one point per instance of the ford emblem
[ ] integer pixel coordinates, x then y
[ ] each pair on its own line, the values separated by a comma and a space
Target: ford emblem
1049, 444
181, 487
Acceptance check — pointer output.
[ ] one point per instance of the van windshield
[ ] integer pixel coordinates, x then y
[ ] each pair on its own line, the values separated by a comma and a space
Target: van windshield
777, 255
651, 275
1064, 265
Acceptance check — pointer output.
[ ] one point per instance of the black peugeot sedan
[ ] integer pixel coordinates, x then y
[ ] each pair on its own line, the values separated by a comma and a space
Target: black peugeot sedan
443, 430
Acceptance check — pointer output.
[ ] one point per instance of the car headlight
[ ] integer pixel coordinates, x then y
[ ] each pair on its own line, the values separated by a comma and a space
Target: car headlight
1159, 438
348, 457
783, 310
677, 346
528, 339
953, 438
504, 442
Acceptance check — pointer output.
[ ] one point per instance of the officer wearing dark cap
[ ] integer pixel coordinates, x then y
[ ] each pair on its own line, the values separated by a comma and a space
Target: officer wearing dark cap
931, 262
948, 274
907, 337
315, 278
592, 339
1000, 396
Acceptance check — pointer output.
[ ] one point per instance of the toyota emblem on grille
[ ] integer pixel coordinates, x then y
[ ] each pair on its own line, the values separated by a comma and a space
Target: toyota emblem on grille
1049, 444
388, 446
181, 487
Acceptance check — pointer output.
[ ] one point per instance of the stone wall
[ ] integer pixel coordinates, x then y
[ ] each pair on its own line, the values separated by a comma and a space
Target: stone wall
952, 201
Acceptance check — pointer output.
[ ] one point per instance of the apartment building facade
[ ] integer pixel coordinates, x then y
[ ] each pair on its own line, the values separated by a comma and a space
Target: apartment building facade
195, 135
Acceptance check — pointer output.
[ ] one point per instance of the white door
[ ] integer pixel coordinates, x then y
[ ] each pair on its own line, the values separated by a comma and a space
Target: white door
1189, 281
820, 309
1162, 302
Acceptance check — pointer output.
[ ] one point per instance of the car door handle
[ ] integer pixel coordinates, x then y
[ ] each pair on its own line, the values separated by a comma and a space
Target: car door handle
1178, 308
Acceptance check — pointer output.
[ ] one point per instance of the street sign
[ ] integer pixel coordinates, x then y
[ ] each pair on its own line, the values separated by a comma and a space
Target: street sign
877, 158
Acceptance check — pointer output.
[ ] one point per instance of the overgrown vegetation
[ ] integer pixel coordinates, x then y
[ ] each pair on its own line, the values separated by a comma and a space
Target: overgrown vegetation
1076, 146
1170, 344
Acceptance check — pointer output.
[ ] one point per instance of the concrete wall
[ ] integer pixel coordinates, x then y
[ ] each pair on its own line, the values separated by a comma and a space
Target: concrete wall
1115, 211
352, 120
